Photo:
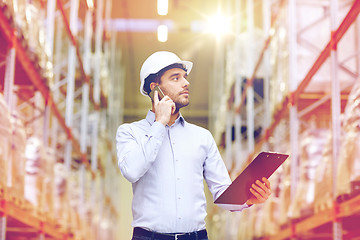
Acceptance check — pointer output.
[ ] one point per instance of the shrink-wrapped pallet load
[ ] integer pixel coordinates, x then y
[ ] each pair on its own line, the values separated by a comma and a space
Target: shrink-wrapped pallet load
5, 134
348, 175
16, 161
34, 155
324, 179
39, 176
270, 221
312, 145
74, 198
47, 194
280, 142
60, 203
285, 194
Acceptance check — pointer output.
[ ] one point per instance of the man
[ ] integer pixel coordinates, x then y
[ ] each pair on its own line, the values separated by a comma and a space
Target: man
166, 159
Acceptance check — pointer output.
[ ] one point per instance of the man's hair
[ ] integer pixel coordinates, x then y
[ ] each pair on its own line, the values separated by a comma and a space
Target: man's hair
155, 77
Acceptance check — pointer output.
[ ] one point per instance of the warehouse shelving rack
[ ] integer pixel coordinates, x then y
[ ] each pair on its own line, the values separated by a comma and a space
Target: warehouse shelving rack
17, 56
292, 106
304, 228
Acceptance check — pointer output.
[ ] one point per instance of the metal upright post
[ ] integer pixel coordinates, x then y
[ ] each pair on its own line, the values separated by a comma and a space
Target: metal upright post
238, 155
9, 78
106, 117
38, 123
96, 94
69, 111
357, 44
113, 120
266, 10
50, 22
97, 69
335, 110
293, 83
2, 226
9, 98
85, 101
228, 138
237, 91
57, 76
250, 90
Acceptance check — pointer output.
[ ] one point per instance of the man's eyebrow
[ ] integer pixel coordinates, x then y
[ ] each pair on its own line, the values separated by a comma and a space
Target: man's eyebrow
177, 74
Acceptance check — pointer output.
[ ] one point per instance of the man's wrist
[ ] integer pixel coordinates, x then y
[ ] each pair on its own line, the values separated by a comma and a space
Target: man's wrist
248, 203
162, 122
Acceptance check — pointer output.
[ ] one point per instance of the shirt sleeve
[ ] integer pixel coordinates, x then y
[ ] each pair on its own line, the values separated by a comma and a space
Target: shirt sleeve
217, 176
233, 207
137, 152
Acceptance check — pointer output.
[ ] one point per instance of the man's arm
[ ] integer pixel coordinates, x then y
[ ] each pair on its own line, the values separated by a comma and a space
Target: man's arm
135, 151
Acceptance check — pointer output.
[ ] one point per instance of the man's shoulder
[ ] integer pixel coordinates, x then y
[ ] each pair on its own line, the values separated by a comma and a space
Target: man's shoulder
140, 124
197, 128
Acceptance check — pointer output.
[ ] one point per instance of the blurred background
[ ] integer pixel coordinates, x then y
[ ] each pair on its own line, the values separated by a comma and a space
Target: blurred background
268, 75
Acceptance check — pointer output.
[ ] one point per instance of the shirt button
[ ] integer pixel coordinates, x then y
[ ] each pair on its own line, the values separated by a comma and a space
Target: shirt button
178, 178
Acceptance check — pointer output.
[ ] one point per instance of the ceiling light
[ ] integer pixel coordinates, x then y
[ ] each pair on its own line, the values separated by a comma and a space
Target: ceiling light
162, 33
90, 4
162, 7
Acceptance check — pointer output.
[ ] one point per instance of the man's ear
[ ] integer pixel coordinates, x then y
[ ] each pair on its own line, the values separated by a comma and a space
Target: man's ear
152, 85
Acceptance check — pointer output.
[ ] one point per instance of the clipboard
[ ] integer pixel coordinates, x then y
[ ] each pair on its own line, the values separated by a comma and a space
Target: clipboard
264, 165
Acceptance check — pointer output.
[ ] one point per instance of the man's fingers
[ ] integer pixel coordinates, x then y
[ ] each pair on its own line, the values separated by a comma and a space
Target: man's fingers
257, 195
267, 182
261, 186
156, 97
173, 108
260, 190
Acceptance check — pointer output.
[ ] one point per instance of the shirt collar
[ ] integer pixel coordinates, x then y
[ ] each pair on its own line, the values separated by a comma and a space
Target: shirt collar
150, 117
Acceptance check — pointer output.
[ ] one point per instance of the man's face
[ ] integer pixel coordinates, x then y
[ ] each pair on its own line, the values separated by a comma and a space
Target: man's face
174, 84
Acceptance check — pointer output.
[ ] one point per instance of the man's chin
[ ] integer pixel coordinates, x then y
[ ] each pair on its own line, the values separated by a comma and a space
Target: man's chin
182, 104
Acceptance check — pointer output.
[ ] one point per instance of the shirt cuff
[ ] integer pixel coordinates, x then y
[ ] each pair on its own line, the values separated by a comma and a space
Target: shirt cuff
233, 207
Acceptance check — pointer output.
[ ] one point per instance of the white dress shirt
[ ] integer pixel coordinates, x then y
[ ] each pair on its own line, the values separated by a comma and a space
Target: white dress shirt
166, 166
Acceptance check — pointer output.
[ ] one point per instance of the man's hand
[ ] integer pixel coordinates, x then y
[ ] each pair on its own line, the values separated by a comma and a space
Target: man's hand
163, 108
261, 192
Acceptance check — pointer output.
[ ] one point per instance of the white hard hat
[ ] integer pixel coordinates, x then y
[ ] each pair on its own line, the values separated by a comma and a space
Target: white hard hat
157, 61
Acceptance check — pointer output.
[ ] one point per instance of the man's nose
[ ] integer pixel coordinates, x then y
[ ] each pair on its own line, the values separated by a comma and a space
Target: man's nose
186, 82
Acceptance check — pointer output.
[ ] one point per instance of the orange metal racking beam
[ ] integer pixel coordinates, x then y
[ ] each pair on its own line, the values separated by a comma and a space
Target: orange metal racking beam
37, 80
344, 209
23, 216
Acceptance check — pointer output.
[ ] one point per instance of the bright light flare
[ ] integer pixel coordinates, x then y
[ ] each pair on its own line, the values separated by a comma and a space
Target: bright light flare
162, 7
162, 33
90, 4
219, 25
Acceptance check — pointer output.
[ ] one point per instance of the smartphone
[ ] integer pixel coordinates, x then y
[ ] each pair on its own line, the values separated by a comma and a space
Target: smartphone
160, 93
